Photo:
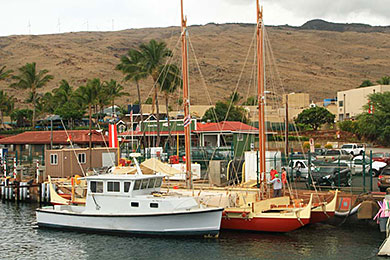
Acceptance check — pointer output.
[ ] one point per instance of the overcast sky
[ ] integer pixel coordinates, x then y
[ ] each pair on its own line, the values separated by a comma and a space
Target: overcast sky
53, 16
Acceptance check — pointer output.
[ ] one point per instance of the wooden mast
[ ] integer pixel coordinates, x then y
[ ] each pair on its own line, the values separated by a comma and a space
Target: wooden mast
260, 90
186, 100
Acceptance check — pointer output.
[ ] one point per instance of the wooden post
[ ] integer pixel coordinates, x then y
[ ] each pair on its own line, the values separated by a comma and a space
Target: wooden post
186, 100
260, 90
286, 130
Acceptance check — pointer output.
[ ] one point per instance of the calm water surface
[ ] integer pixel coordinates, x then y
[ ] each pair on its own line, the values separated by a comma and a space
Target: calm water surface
21, 239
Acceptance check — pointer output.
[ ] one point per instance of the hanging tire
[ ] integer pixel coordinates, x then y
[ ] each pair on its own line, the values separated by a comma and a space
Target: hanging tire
375, 173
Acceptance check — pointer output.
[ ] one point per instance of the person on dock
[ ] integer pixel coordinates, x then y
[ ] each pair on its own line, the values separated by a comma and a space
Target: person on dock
284, 179
298, 167
277, 182
273, 172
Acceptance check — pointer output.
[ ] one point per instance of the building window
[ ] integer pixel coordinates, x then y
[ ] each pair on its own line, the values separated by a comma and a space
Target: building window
341, 117
341, 103
82, 158
113, 186
127, 186
154, 205
54, 159
96, 187
240, 137
134, 204
347, 115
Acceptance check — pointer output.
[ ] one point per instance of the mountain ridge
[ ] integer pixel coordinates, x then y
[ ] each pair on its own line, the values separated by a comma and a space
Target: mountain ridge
317, 61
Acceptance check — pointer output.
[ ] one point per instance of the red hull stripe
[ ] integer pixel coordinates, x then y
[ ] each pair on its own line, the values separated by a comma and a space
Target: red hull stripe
263, 224
320, 216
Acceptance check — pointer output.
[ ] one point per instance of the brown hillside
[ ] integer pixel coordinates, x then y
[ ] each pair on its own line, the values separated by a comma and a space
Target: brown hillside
313, 61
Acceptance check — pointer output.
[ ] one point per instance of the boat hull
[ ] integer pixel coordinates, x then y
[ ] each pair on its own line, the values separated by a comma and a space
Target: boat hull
320, 216
281, 225
201, 222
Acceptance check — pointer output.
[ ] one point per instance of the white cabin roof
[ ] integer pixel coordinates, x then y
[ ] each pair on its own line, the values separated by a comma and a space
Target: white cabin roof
105, 177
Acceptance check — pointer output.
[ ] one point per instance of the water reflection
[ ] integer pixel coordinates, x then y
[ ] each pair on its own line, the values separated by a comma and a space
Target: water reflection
21, 239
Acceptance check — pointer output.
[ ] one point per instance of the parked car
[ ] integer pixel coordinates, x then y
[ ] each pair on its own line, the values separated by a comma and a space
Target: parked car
356, 165
381, 157
384, 179
300, 165
354, 149
334, 154
332, 175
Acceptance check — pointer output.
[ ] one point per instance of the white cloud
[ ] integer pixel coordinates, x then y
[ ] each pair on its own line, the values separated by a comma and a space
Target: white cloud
77, 15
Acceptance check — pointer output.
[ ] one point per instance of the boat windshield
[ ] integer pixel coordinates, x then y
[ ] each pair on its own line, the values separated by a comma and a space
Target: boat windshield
347, 146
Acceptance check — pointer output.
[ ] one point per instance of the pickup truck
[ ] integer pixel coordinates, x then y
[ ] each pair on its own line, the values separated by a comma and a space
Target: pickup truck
354, 149
333, 154
356, 165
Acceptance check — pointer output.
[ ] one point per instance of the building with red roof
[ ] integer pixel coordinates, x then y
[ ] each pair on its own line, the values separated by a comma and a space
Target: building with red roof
227, 134
34, 143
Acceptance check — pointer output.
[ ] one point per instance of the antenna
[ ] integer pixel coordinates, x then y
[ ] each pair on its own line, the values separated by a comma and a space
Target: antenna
59, 25
29, 27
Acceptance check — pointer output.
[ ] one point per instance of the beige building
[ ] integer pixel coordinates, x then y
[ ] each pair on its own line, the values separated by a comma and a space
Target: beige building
297, 100
350, 102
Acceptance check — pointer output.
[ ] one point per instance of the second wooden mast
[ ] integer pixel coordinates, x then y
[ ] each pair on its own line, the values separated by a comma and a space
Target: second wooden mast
186, 100
260, 91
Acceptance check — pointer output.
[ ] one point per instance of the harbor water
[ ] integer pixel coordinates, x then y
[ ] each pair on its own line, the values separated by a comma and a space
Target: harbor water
21, 239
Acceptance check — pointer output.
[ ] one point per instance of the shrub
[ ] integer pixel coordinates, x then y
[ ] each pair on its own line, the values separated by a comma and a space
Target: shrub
328, 146
317, 145
306, 145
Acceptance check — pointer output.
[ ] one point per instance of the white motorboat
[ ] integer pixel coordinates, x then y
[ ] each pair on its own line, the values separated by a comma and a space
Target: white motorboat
133, 204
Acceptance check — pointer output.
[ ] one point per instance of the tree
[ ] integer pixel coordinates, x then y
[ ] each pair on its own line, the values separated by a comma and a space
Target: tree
31, 79
366, 83
6, 105
384, 80
22, 117
131, 65
315, 117
70, 111
218, 113
88, 96
251, 101
170, 80
375, 126
4, 73
154, 56
63, 94
114, 90
234, 98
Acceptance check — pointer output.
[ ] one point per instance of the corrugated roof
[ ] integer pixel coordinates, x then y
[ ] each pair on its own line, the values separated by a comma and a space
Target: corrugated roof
59, 137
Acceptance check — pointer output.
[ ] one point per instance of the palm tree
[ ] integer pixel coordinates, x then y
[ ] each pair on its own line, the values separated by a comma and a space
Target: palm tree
88, 96
4, 73
63, 93
169, 81
114, 90
384, 80
6, 105
131, 65
154, 55
30, 78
